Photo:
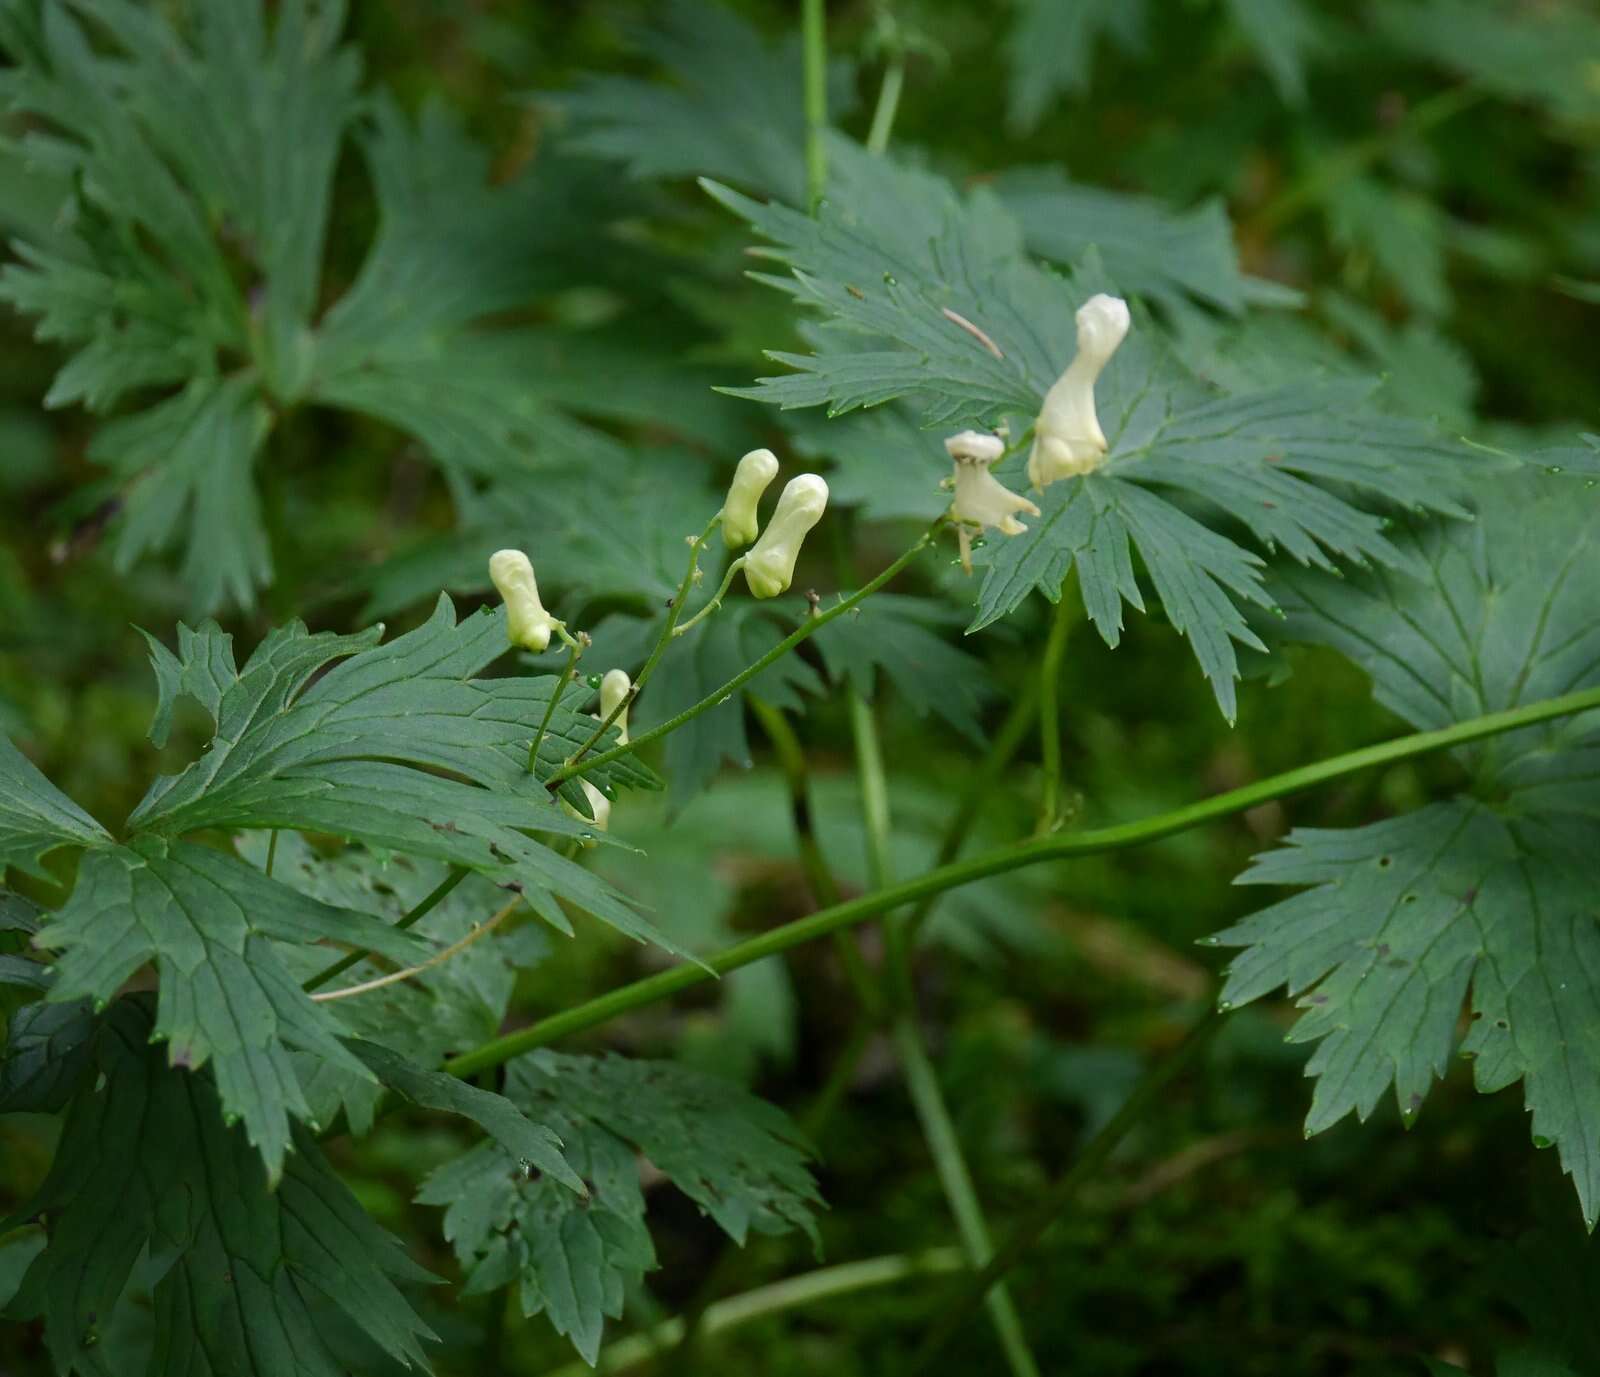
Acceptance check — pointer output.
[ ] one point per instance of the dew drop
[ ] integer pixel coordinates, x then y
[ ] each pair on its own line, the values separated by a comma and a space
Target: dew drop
1224, 1005
888, 280
1555, 468
1540, 1141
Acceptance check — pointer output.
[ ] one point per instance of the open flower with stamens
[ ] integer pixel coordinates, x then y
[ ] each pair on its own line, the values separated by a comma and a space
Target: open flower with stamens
769, 567
527, 623
981, 499
1067, 439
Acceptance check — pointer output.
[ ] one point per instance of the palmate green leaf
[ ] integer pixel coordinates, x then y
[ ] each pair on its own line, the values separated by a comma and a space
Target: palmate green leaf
146, 1162
897, 636
930, 298
735, 108
157, 145
735, 1156
397, 746
207, 921
535, 1145
35, 816
356, 752
1051, 50
1488, 898
447, 1008
1147, 247
190, 464
46, 1053
196, 163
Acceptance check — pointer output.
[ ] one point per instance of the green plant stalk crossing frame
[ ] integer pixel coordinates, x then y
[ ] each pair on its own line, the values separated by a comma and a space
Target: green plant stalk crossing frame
1119, 837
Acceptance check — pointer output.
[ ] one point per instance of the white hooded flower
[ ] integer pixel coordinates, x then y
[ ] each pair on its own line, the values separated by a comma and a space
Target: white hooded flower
740, 523
614, 691
981, 499
527, 623
1067, 438
599, 805
769, 567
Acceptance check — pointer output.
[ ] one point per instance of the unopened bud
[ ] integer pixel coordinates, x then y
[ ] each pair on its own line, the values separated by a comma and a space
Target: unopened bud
527, 623
1067, 439
614, 692
740, 521
769, 567
599, 805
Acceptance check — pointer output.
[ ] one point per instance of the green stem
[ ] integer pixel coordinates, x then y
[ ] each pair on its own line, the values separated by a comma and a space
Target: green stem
272, 851
716, 598
814, 40
674, 610
959, 1191
1002, 747
1044, 1211
1093, 841
824, 890
550, 707
933, 1114
1067, 604
413, 916
894, 80
1356, 157
789, 1294
721, 695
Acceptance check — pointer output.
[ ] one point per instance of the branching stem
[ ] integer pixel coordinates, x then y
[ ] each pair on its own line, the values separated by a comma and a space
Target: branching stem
721, 695
550, 707
1014, 857
716, 598
674, 611
415, 915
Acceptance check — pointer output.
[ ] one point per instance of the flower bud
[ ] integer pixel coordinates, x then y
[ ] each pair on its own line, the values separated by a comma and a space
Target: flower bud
769, 567
599, 805
613, 691
1067, 438
527, 623
740, 522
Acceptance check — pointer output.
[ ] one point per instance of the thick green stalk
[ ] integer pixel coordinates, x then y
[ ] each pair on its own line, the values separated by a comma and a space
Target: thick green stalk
1068, 605
1044, 1212
789, 1294
718, 696
933, 1114
814, 42
997, 862
415, 915
939, 1131
894, 80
